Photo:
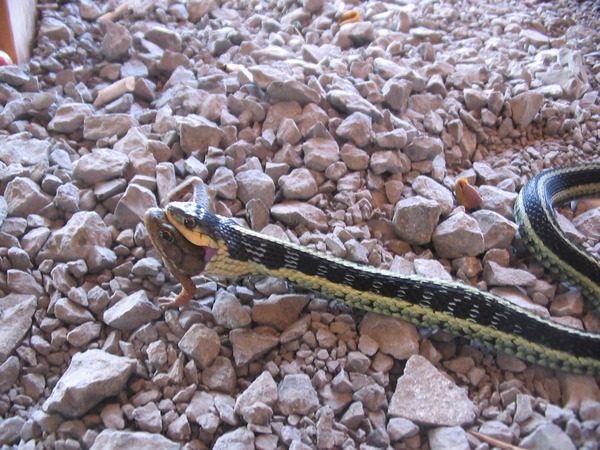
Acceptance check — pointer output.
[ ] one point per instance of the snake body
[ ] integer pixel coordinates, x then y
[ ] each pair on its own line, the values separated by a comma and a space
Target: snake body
546, 241
231, 251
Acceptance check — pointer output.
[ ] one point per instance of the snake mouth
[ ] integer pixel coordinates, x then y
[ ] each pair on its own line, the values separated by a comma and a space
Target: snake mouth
209, 254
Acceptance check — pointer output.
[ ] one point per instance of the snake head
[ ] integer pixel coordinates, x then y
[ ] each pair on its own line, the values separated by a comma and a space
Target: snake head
195, 223
179, 255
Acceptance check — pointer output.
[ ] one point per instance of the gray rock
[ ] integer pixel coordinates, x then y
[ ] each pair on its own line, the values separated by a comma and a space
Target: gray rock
431, 268
497, 430
107, 125
77, 238
157, 354
293, 90
320, 153
497, 200
264, 75
587, 224
146, 267
389, 161
395, 337
19, 259
91, 377
21, 282
100, 165
354, 158
9, 373
525, 106
249, 345
224, 183
15, 321
351, 102
415, 219
325, 438
356, 34
263, 389
399, 428
458, 236
590, 409
298, 185
228, 312
23, 197
397, 93
55, 30
524, 408
357, 362
201, 404
424, 148
535, 37
395, 139
131, 312
255, 184
71, 313
238, 439
148, 418
279, 311
357, 128
296, 395
549, 437
257, 214
202, 344
116, 42
10, 430
67, 198
27, 152
293, 213
133, 204
69, 117
356, 252
198, 133
443, 438
496, 275
288, 132
431, 189
353, 415
179, 429
425, 396
124, 440
372, 396
498, 232
220, 376
14, 74
295, 330
164, 38
89, 11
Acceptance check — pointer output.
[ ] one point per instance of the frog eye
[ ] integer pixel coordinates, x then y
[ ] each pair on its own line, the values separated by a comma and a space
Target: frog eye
166, 235
189, 223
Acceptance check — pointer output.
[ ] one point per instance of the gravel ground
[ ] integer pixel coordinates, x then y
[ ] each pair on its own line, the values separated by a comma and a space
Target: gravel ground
344, 138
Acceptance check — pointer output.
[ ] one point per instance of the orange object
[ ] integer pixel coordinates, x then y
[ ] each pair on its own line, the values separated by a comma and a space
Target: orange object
349, 17
467, 195
17, 28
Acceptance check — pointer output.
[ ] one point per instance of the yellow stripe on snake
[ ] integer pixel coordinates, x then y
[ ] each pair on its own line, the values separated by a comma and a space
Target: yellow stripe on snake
226, 249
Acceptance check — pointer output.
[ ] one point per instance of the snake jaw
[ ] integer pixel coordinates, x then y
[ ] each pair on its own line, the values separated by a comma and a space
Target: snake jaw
209, 254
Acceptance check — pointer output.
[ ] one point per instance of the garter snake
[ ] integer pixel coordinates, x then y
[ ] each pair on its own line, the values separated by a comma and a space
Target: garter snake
231, 251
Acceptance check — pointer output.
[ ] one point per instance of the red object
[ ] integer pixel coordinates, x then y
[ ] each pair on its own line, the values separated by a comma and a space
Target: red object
5, 59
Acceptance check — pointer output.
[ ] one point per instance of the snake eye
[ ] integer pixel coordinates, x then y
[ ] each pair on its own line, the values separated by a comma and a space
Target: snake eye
189, 223
166, 235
